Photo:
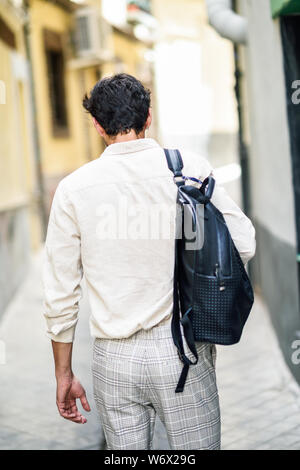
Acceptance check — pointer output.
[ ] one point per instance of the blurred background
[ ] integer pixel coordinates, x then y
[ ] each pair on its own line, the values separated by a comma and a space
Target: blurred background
225, 83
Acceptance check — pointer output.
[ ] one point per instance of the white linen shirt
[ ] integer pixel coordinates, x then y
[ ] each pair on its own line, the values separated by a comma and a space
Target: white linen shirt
95, 229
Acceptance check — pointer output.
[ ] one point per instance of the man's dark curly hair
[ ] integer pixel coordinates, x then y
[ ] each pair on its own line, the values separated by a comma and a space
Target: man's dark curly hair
119, 103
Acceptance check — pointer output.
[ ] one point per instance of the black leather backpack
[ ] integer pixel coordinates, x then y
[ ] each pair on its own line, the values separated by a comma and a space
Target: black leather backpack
213, 295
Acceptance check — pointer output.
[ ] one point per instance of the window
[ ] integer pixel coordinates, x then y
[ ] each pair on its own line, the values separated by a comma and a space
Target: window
55, 66
6, 34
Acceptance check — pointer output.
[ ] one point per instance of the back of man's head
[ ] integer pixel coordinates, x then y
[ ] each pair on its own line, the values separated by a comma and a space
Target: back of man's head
119, 104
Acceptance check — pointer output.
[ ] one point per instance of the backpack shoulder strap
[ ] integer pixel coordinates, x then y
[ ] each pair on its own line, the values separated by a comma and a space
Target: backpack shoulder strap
175, 164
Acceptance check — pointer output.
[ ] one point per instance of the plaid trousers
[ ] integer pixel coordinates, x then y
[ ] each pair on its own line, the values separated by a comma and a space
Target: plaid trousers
135, 378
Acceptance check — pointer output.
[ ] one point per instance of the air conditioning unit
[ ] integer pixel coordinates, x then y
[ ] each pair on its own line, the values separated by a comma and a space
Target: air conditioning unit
92, 34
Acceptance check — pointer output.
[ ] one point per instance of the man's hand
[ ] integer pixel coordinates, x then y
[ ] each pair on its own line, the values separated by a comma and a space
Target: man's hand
68, 390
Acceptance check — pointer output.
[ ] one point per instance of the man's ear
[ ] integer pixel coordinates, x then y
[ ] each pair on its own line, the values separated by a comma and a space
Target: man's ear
98, 127
149, 119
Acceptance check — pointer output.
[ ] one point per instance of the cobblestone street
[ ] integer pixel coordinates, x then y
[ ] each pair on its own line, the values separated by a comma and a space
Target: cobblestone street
259, 398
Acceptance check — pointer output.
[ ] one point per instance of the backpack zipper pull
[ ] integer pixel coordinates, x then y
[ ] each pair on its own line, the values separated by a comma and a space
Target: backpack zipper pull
221, 281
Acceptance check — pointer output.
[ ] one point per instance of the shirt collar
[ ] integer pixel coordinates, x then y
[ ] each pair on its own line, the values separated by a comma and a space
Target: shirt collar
130, 146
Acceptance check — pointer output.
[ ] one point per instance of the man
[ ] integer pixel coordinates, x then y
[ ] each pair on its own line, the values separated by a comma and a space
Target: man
96, 229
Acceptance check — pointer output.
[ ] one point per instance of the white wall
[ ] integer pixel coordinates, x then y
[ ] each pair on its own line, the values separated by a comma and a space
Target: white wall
194, 73
270, 160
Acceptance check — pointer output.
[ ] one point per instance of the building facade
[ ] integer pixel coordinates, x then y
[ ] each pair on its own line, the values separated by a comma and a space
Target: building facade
64, 69
268, 71
194, 72
20, 221
52, 52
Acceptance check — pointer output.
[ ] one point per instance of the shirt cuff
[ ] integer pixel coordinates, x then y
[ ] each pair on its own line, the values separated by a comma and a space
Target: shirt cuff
66, 336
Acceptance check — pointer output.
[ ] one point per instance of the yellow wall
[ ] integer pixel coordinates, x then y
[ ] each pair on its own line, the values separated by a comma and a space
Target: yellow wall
60, 155
129, 50
13, 185
17, 162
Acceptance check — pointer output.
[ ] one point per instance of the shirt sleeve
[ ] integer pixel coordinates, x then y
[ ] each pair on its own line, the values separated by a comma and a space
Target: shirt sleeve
240, 226
62, 270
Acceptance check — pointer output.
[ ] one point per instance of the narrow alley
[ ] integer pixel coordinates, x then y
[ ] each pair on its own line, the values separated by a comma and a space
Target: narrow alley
260, 401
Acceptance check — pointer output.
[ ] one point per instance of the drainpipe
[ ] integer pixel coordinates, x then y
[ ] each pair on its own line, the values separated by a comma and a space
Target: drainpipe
243, 151
226, 22
230, 25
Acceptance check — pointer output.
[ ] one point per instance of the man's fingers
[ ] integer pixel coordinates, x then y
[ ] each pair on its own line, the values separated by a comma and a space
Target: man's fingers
71, 413
84, 402
74, 408
65, 410
75, 417
66, 414
79, 419
66, 403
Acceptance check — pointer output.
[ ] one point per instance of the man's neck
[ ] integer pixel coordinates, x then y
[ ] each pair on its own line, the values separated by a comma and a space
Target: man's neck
132, 135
